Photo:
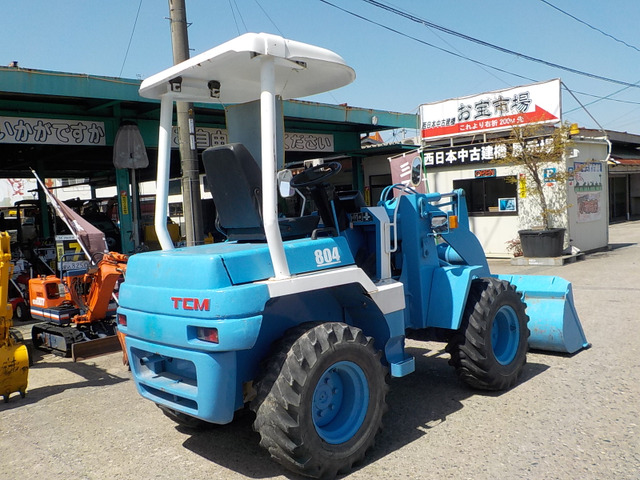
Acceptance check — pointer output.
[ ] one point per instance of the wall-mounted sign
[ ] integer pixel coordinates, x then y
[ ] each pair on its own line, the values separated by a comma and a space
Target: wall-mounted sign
487, 172
51, 131
464, 154
588, 188
507, 204
549, 175
205, 137
589, 207
475, 153
293, 142
522, 185
588, 176
308, 142
492, 111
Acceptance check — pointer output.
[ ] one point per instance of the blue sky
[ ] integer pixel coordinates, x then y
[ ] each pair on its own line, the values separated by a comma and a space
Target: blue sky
399, 63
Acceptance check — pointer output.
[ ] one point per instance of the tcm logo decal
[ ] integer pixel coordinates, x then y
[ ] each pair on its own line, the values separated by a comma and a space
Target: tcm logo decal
190, 304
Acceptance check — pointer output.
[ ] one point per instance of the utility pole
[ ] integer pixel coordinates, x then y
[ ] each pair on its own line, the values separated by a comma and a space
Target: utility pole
186, 132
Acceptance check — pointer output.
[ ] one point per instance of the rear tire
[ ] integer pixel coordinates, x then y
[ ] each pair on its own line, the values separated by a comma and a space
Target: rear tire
22, 312
490, 349
321, 399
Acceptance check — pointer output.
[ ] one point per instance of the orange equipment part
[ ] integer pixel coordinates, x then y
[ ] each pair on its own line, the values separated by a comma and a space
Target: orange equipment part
121, 339
102, 284
90, 292
47, 292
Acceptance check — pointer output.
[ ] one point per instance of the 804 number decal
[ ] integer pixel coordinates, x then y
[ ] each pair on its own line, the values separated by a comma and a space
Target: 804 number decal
327, 256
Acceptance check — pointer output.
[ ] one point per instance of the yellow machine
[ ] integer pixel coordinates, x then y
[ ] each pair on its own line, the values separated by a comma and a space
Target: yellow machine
14, 357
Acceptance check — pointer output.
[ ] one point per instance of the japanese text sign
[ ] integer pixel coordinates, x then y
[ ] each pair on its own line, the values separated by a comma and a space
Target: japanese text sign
476, 153
492, 111
49, 131
293, 142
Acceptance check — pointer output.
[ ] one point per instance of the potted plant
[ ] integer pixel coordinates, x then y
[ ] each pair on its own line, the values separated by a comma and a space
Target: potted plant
538, 153
514, 247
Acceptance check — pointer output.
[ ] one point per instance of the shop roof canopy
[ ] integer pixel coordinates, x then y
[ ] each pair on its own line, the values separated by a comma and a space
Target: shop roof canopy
64, 124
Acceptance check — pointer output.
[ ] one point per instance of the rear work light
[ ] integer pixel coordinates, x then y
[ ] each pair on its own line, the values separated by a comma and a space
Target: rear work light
207, 334
122, 320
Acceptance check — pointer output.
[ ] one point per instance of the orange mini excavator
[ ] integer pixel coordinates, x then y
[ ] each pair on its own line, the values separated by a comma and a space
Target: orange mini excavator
78, 309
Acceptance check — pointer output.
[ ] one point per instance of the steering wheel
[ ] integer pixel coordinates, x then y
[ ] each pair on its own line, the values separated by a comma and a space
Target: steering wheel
315, 175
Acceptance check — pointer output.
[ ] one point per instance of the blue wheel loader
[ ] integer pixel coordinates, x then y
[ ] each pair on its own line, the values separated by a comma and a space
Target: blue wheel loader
304, 318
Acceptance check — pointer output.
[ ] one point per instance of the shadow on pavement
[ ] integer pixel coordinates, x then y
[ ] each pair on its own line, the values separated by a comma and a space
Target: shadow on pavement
616, 246
417, 403
92, 376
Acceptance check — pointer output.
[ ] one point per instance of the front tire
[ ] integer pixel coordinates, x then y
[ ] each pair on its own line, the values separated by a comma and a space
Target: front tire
490, 349
321, 399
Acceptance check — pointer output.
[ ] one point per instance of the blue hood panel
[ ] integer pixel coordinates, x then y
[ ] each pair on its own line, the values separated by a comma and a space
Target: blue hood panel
253, 263
195, 281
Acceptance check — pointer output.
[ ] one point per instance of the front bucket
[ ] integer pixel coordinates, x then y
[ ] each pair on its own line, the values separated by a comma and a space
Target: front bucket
553, 320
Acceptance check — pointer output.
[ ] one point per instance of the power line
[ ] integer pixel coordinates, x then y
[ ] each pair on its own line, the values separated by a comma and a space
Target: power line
448, 31
398, 32
598, 98
459, 55
584, 108
590, 26
233, 13
458, 51
126, 54
270, 19
607, 97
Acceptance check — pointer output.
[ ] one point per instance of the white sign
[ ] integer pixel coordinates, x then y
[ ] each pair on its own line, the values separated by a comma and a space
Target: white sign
492, 111
293, 142
51, 131
588, 187
308, 142
205, 137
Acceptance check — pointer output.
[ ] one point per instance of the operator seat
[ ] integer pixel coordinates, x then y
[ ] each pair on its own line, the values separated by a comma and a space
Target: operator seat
235, 180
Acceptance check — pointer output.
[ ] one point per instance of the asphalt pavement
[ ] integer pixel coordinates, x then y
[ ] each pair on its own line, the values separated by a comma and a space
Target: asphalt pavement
569, 417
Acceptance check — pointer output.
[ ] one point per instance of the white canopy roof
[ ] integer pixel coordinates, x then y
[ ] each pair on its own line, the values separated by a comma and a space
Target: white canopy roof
300, 70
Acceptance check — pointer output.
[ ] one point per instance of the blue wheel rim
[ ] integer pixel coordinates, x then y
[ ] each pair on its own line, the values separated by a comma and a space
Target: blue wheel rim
505, 335
340, 402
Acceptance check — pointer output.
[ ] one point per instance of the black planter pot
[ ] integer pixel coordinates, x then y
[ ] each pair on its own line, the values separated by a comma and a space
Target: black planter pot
542, 243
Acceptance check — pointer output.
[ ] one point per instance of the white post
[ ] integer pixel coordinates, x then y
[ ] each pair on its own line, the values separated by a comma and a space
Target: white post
268, 150
164, 167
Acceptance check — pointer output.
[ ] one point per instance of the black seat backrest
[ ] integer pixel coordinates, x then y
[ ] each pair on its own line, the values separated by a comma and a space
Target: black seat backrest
235, 179
346, 202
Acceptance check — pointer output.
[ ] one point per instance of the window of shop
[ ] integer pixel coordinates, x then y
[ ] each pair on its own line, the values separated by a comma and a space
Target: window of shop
490, 196
377, 183
175, 187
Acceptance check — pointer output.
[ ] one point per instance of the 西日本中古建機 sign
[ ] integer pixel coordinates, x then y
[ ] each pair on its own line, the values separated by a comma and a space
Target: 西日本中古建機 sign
492, 111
